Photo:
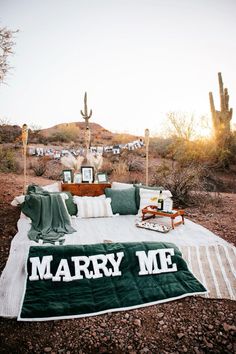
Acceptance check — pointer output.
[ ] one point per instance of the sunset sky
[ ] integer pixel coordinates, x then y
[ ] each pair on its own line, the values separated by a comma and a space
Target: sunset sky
137, 60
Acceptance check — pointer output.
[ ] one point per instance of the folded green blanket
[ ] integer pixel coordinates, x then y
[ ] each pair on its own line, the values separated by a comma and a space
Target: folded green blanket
85, 280
49, 218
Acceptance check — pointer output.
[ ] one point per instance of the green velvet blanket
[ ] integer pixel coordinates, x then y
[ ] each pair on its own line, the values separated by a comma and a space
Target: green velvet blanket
49, 218
85, 280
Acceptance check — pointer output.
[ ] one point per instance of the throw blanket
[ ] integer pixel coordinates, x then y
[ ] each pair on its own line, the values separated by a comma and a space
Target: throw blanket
47, 211
84, 280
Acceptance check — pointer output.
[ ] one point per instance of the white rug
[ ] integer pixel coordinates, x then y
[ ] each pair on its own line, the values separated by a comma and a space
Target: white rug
211, 259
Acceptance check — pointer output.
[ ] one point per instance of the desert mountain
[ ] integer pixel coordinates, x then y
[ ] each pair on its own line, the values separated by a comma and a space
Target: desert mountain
65, 132
76, 132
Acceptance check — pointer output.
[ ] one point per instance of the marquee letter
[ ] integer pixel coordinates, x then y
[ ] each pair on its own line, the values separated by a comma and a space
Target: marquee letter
97, 266
42, 267
147, 263
81, 267
115, 263
165, 260
63, 271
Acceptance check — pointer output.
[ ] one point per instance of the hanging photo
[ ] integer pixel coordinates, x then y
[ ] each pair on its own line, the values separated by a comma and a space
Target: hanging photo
102, 177
87, 174
67, 176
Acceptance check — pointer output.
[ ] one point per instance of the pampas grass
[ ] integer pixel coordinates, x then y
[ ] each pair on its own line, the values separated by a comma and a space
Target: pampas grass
71, 162
95, 160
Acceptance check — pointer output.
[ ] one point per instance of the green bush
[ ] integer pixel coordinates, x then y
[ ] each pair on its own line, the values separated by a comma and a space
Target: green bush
185, 183
8, 160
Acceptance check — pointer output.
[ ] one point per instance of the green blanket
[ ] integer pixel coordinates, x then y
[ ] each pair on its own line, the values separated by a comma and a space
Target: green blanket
84, 280
49, 218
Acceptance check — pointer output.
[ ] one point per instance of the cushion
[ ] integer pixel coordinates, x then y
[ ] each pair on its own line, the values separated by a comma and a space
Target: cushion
54, 187
137, 193
93, 207
70, 205
18, 200
147, 194
122, 200
119, 185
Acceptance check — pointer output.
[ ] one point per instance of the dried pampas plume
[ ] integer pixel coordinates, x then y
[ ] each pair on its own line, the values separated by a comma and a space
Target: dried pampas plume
95, 160
72, 162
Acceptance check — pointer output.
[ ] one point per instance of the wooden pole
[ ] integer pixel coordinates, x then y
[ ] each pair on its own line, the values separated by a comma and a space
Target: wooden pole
147, 150
24, 136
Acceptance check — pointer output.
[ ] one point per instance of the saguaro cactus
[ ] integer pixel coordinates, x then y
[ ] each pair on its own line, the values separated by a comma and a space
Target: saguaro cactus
221, 119
85, 114
86, 117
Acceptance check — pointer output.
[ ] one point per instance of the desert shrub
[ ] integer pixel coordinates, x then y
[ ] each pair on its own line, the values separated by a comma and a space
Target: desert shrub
160, 147
8, 160
136, 165
121, 168
39, 165
185, 183
9, 133
53, 170
108, 167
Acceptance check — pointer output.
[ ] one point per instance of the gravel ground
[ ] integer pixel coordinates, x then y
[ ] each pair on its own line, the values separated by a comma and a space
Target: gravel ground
191, 325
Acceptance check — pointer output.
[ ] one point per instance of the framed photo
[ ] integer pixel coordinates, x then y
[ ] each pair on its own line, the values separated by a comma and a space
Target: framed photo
87, 173
77, 177
67, 176
102, 177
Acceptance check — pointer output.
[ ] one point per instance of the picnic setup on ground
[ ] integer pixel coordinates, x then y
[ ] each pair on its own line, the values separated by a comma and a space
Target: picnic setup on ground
84, 249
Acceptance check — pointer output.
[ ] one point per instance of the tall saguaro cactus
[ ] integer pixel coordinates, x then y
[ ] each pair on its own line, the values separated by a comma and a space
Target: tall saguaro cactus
85, 114
86, 117
221, 119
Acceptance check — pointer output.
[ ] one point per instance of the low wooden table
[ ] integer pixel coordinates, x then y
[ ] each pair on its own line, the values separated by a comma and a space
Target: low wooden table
85, 189
151, 209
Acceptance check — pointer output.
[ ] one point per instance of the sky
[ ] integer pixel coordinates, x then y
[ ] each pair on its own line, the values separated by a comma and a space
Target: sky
137, 60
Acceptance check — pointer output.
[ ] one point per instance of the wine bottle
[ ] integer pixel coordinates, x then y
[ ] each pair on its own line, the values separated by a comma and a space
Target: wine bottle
160, 202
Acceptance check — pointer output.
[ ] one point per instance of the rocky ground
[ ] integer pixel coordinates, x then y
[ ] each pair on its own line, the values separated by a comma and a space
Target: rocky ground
191, 325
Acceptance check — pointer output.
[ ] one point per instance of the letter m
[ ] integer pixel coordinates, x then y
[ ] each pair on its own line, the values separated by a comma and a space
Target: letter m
147, 263
42, 268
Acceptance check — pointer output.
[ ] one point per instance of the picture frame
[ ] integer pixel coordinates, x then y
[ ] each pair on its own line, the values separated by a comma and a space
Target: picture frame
87, 173
102, 177
67, 176
77, 177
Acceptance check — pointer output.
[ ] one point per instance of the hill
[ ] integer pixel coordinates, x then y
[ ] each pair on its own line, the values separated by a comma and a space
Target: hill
76, 132
73, 132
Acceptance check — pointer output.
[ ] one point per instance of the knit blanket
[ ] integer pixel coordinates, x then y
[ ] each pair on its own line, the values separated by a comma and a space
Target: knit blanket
85, 280
49, 218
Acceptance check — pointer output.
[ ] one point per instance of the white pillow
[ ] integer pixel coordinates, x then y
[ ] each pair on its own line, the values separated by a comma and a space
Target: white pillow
93, 207
18, 200
147, 194
54, 187
119, 185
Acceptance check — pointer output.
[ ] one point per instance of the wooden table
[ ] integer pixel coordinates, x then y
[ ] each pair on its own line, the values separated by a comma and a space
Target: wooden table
85, 189
152, 211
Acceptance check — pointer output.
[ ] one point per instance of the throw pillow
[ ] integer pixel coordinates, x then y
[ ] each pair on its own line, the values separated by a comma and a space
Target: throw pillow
70, 205
147, 194
54, 187
137, 192
120, 185
93, 207
122, 200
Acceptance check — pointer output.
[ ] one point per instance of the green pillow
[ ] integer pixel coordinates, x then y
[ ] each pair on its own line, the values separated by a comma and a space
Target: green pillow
71, 206
122, 200
137, 195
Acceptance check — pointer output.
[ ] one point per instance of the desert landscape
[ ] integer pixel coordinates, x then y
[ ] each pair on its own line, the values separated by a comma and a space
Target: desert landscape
131, 102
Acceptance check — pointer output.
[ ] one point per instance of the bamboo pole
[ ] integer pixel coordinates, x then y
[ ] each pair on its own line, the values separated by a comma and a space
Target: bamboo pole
24, 136
147, 151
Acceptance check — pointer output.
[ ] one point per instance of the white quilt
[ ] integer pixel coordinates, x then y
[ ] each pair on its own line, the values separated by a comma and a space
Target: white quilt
211, 259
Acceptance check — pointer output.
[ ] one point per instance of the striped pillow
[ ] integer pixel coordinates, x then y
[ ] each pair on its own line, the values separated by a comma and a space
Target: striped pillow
93, 207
